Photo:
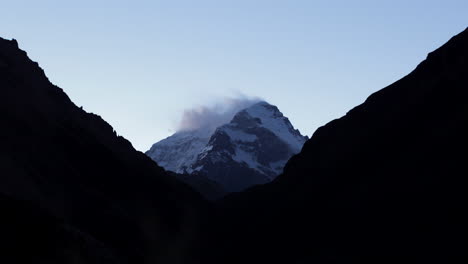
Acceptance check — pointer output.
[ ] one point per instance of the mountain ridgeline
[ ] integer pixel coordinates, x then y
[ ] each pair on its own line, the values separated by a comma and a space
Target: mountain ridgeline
386, 182
71, 189
251, 149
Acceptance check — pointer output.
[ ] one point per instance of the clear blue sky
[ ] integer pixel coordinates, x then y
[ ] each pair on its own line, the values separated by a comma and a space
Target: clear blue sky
139, 64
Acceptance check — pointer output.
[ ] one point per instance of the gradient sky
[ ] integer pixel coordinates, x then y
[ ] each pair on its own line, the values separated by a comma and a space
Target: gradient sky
139, 64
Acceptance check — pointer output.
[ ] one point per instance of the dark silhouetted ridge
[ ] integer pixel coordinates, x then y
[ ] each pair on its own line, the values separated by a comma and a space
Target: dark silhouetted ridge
114, 204
385, 182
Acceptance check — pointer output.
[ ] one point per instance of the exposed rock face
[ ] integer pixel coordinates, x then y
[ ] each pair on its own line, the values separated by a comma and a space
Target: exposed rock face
387, 182
67, 172
251, 149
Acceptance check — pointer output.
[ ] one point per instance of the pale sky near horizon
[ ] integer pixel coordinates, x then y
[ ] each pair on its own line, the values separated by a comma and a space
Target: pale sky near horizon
139, 64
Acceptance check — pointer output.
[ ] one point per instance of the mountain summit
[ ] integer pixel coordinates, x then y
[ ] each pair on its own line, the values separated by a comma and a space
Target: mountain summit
251, 149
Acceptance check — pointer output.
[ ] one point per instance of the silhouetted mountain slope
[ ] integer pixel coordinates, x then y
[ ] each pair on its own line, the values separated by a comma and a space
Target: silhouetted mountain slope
386, 182
74, 167
209, 189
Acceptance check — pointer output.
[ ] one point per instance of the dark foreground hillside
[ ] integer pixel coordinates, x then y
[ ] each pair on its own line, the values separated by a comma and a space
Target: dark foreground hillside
387, 182
71, 190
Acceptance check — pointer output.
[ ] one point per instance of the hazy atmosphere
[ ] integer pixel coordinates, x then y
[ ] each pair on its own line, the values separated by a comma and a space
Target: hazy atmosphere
142, 64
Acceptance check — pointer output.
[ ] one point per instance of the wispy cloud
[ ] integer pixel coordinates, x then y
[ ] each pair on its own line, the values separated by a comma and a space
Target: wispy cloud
216, 114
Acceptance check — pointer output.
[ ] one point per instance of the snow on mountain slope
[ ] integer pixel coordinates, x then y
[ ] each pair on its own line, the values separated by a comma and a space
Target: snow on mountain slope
251, 149
179, 151
272, 119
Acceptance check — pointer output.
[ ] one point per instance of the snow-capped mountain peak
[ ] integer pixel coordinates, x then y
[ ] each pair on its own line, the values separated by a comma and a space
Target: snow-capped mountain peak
272, 119
251, 149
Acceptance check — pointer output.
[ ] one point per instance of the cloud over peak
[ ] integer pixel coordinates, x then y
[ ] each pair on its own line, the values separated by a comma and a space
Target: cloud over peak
213, 115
